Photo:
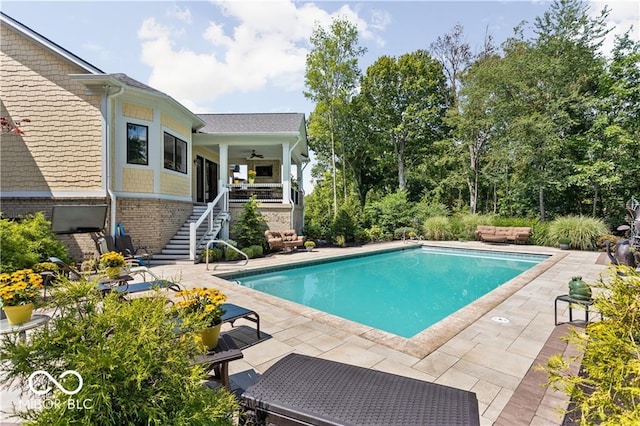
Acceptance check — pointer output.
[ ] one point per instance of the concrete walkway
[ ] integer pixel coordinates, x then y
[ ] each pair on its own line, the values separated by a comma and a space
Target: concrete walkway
487, 347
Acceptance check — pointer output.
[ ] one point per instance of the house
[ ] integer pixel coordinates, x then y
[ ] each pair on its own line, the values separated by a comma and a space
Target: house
94, 138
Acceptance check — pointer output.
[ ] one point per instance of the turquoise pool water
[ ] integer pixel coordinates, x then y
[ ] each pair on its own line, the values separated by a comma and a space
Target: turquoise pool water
402, 292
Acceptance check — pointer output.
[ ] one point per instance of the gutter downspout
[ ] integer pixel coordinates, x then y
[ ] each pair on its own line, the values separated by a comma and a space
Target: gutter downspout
112, 195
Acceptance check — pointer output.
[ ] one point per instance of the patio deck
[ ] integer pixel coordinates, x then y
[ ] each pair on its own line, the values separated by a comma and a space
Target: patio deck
468, 350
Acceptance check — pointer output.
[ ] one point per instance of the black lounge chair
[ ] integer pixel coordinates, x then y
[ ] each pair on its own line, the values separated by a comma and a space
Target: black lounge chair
299, 389
235, 312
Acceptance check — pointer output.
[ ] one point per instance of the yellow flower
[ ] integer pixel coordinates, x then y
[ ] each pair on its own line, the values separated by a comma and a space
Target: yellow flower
112, 259
205, 303
20, 287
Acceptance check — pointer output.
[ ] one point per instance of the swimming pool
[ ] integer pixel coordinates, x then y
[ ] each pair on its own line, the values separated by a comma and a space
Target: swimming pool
402, 292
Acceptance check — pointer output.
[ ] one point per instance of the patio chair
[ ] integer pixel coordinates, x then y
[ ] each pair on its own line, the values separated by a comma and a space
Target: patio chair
105, 244
235, 312
300, 389
124, 245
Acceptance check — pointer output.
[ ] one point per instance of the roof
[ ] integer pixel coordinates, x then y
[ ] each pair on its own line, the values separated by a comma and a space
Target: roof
123, 78
253, 123
54, 47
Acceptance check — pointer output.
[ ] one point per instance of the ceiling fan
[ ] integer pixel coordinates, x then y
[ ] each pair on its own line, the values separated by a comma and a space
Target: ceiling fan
254, 155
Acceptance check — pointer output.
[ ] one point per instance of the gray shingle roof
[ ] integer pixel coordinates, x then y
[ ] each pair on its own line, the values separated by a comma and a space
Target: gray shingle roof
252, 123
134, 83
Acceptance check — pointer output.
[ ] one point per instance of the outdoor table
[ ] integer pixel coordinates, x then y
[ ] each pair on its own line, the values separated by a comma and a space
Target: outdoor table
21, 329
217, 360
300, 389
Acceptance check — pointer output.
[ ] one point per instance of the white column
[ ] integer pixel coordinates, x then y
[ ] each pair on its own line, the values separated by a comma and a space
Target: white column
224, 166
286, 173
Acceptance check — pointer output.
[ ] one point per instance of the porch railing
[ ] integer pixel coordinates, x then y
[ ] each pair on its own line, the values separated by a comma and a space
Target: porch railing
216, 212
264, 192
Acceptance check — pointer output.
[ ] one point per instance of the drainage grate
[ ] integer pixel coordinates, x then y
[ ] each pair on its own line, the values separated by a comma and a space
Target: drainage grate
501, 320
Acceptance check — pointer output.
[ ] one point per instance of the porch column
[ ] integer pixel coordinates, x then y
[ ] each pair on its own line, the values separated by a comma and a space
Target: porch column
224, 166
286, 173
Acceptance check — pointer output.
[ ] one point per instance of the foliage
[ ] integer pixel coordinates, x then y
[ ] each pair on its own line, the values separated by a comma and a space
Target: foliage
374, 234
20, 287
205, 304
607, 237
45, 266
392, 211
28, 241
405, 232
248, 251
249, 227
428, 208
251, 174
465, 226
340, 240
344, 225
112, 259
309, 244
257, 250
215, 254
437, 228
606, 393
135, 368
581, 231
230, 254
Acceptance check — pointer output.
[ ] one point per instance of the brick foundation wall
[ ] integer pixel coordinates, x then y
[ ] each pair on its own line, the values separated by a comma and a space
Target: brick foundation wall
278, 215
152, 223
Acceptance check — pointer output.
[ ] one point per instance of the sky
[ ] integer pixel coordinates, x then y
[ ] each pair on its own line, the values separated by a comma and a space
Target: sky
249, 56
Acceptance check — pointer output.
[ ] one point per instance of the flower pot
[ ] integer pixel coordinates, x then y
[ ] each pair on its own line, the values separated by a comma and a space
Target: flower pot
210, 336
20, 314
564, 246
309, 249
113, 272
251, 181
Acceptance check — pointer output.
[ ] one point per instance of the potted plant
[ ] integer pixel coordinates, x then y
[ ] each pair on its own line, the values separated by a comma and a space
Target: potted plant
112, 262
564, 243
204, 305
340, 241
309, 245
19, 292
252, 175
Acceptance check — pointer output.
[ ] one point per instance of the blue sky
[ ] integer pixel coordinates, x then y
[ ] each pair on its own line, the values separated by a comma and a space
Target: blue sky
249, 56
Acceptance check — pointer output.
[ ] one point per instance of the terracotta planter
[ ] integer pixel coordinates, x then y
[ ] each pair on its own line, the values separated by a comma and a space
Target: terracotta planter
20, 314
210, 336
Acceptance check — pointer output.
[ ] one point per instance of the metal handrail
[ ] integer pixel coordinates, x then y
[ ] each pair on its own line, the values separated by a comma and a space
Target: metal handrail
246, 258
193, 227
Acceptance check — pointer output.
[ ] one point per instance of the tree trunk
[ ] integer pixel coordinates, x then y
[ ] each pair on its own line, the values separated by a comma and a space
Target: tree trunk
333, 167
541, 200
595, 200
402, 180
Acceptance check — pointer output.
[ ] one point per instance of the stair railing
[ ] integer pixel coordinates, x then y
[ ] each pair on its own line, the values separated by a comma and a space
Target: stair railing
207, 215
214, 241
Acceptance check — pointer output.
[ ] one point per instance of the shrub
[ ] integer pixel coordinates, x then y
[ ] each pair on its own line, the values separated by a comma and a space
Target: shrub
606, 390
429, 208
406, 232
580, 230
312, 231
607, 237
340, 240
391, 212
343, 225
249, 227
437, 228
135, 368
374, 234
28, 242
258, 251
464, 226
249, 252
215, 254
231, 254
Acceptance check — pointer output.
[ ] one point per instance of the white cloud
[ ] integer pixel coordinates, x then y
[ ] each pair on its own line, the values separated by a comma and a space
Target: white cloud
259, 44
180, 13
623, 15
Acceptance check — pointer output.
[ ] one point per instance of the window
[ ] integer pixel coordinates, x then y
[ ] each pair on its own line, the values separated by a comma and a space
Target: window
137, 144
175, 154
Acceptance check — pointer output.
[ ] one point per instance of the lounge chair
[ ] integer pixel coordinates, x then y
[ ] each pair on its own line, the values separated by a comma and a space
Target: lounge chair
105, 243
235, 312
286, 240
300, 389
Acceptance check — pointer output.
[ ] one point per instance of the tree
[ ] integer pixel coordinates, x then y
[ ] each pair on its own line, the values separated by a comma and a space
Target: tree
331, 77
407, 103
248, 229
455, 56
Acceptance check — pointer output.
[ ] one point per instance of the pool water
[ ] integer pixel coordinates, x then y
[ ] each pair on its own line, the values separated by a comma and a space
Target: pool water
402, 292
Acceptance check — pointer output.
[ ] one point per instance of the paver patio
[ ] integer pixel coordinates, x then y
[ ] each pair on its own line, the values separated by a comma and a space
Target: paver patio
468, 350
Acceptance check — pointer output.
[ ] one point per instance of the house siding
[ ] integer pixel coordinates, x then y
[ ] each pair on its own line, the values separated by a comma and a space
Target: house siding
176, 126
140, 112
137, 180
175, 185
61, 149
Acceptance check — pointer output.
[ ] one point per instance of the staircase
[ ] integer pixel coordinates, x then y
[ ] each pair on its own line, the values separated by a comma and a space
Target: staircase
177, 250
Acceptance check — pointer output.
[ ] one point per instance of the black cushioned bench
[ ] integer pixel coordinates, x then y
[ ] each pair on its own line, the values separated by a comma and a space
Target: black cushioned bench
304, 390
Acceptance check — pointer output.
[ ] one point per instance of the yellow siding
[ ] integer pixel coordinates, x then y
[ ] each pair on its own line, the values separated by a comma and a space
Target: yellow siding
174, 185
137, 180
175, 125
61, 149
137, 111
